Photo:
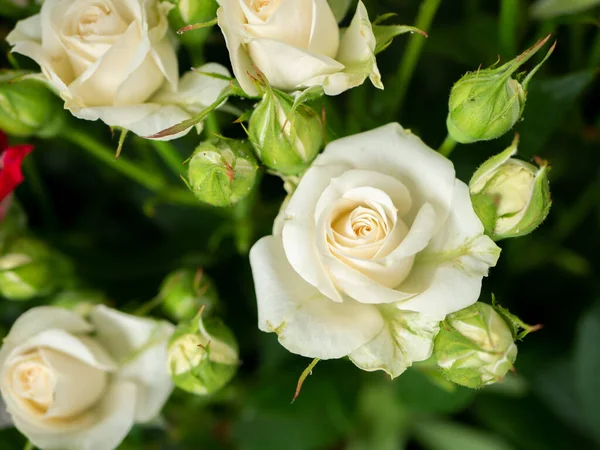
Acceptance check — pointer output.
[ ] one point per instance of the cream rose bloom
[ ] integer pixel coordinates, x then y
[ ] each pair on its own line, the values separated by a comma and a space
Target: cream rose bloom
297, 44
376, 246
72, 384
113, 60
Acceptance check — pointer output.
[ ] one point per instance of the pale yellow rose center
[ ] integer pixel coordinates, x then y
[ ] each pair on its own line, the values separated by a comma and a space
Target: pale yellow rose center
34, 381
264, 8
100, 20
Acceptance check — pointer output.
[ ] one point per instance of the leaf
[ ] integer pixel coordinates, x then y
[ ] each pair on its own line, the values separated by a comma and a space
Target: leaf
384, 34
587, 368
439, 435
549, 102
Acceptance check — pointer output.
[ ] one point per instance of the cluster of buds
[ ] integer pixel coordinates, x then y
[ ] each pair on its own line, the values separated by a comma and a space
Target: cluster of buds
510, 196
287, 136
486, 104
28, 107
202, 355
222, 171
475, 346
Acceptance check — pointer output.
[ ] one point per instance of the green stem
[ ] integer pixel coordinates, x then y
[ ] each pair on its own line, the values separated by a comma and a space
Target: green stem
212, 125
105, 154
411, 55
170, 155
594, 59
147, 307
39, 191
447, 146
509, 15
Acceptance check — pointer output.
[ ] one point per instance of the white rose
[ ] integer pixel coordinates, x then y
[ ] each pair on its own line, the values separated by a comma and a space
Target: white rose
111, 60
376, 246
70, 384
297, 44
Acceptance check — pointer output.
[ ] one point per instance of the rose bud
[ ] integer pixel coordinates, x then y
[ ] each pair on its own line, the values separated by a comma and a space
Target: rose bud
28, 107
286, 137
487, 103
26, 269
222, 171
185, 291
11, 176
202, 355
475, 346
510, 196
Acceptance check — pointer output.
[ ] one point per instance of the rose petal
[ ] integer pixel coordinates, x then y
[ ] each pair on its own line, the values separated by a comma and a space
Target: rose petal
10, 167
407, 337
393, 151
230, 18
449, 272
287, 67
306, 322
298, 232
324, 32
357, 54
290, 23
145, 119
113, 420
140, 346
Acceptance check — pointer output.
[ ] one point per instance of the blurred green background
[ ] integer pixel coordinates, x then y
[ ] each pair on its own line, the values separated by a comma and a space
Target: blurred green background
123, 241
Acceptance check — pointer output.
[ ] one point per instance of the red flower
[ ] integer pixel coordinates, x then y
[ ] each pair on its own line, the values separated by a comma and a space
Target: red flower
10, 166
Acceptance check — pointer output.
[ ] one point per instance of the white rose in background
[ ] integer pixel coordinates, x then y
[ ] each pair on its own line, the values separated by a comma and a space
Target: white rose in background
376, 246
297, 44
70, 384
114, 61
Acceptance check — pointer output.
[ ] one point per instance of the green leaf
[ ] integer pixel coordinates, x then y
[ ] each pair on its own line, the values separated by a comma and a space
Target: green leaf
439, 435
384, 34
587, 368
549, 102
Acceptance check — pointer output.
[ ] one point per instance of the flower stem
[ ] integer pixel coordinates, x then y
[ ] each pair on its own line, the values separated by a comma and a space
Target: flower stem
411, 55
509, 14
105, 154
170, 156
447, 146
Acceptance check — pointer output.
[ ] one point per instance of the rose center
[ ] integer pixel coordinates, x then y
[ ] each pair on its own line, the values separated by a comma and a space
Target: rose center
264, 8
100, 20
34, 381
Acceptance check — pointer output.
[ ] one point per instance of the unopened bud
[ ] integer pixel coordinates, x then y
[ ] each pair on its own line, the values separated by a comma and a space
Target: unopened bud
202, 356
286, 137
222, 171
28, 107
475, 346
185, 291
486, 104
26, 269
510, 196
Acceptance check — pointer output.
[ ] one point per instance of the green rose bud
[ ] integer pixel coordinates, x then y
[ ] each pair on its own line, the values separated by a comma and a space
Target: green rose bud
26, 269
79, 300
486, 104
191, 12
222, 171
185, 291
475, 346
510, 196
202, 356
28, 107
286, 137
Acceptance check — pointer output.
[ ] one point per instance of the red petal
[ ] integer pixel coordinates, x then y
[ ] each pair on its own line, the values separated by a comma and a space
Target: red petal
10, 173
